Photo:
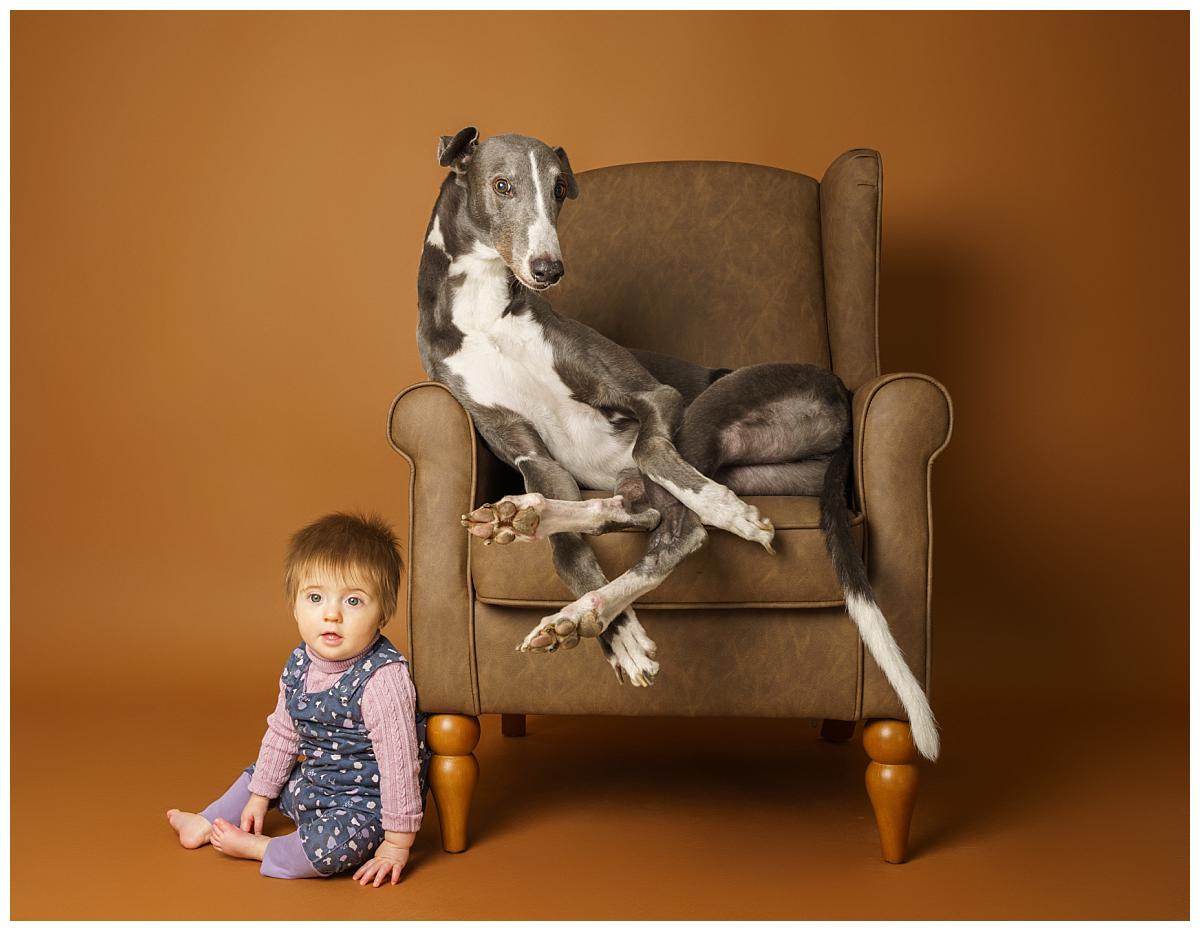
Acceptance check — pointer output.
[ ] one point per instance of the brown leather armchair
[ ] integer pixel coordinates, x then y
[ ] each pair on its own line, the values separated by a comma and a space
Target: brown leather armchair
726, 265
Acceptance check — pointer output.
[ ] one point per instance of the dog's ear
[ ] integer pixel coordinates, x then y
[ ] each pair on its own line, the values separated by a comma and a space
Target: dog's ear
568, 174
456, 151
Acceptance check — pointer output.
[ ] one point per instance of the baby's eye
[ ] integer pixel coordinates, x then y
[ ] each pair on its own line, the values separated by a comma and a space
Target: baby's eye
354, 601
314, 597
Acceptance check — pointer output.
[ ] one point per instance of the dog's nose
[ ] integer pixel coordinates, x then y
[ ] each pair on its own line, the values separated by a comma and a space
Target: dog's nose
546, 271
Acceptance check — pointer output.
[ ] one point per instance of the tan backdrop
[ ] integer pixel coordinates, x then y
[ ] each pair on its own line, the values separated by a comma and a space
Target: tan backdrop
216, 224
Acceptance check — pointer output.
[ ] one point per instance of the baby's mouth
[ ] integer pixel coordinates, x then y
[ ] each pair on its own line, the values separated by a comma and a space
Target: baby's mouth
330, 637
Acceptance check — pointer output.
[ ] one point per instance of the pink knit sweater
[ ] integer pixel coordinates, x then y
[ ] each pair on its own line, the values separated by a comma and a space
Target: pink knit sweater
389, 711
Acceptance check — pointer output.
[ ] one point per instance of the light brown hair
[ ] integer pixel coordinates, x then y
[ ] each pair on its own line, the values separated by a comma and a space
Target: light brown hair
360, 547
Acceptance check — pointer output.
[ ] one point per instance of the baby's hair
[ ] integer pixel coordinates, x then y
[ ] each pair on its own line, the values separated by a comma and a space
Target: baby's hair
361, 547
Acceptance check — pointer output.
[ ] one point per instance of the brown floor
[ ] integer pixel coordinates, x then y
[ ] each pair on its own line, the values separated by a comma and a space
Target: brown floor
1079, 816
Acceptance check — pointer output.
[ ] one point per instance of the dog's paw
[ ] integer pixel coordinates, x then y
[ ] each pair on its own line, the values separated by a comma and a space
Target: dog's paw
630, 652
513, 517
581, 618
752, 526
718, 506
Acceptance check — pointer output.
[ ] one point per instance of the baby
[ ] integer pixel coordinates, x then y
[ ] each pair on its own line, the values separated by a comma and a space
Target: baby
347, 706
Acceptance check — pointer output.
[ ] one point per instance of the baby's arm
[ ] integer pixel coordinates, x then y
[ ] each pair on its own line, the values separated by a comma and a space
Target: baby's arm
389, 712
276, 757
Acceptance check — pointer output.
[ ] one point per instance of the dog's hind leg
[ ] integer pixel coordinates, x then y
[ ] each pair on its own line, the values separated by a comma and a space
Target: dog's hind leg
806, 477
767, 429
661, 416
534, 516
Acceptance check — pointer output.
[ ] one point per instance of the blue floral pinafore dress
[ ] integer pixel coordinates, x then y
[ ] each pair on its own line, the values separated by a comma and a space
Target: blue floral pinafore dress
333, 793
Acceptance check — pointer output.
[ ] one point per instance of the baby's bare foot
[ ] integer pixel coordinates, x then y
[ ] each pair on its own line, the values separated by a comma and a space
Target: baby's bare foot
193, 830
232, 840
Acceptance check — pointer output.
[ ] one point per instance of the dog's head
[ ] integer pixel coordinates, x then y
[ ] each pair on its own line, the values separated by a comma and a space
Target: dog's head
515, 187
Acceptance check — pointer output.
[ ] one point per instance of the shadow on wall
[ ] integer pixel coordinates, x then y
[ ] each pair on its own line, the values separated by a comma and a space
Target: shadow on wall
1016, 547
984, 610
926, 292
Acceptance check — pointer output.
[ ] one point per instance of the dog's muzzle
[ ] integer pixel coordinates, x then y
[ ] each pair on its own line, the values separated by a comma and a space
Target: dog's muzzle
546, 271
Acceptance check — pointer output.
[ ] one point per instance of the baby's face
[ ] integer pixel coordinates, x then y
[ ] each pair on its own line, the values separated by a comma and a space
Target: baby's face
337, 617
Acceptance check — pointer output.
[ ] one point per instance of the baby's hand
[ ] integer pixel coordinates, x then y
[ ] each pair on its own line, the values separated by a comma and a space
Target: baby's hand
253, 814
389, 860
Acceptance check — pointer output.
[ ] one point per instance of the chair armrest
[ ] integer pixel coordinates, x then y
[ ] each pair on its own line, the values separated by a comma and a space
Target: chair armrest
449, 470
901, 423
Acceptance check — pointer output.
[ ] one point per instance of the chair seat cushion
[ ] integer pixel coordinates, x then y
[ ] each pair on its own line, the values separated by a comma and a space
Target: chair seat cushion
727, 572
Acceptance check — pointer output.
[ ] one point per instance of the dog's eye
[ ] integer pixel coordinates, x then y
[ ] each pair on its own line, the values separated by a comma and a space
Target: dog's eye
503, 187
560, 189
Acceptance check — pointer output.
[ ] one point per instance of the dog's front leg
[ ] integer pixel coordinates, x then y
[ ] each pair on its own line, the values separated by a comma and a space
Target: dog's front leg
660, 413
627, 647
677, 535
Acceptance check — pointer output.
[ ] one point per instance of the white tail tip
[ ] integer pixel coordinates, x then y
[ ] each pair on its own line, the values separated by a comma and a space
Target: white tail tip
875, 633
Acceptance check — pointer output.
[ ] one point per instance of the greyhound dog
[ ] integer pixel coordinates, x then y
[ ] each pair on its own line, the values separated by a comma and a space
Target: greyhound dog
673, 441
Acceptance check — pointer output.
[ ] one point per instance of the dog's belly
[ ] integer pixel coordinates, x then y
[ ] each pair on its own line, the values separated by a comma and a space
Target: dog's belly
510, 364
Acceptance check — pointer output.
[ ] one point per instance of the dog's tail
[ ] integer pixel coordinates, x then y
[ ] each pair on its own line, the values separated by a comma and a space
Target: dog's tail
861, 606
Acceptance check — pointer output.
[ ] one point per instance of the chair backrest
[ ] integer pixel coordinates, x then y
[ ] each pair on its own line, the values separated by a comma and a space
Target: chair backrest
719, 263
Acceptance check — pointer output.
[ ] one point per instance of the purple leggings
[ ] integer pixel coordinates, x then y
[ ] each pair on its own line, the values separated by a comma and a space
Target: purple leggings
285, 857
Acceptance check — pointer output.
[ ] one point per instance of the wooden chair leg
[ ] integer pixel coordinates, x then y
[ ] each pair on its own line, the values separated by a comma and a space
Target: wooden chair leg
453, 773
512, 725
891, 783
836, 731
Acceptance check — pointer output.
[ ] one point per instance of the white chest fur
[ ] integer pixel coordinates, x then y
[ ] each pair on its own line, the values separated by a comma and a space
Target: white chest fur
508, 361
